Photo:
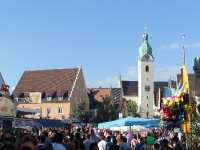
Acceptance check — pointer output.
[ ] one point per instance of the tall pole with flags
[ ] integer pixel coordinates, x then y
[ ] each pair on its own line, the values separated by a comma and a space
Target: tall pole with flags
186, 101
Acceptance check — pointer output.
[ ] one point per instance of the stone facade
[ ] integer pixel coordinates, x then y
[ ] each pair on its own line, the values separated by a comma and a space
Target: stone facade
146, 88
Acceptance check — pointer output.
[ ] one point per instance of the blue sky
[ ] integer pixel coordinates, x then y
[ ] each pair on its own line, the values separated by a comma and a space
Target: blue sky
101, 35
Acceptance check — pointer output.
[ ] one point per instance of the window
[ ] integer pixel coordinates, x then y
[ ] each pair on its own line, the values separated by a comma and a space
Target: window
60, 110
147, 105
147, 88
147, 97
147, 68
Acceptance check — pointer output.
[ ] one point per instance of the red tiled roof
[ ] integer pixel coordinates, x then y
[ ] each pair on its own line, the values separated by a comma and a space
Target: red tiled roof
46, 81
100, 93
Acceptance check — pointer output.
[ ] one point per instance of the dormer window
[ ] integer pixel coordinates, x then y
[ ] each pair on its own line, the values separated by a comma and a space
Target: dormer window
43, 95
21, 95
54, 95
60, 98
49, 98
65, 95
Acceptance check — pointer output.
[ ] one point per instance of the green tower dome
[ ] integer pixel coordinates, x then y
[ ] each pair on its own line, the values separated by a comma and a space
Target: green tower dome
145, 50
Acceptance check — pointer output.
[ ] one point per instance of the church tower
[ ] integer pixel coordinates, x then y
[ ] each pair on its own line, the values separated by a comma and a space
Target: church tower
145, 79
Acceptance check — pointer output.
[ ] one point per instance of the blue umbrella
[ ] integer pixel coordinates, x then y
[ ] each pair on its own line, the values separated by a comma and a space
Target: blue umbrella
130, 121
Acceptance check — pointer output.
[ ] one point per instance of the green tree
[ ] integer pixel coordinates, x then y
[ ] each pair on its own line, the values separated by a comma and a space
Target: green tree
132, 108
106, 111
78, 113
194, 136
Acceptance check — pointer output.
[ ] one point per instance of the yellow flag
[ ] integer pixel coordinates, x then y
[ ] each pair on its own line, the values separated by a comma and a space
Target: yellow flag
184, 79
185, 89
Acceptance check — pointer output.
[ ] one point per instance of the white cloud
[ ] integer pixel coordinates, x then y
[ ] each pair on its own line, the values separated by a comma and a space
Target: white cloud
178, 45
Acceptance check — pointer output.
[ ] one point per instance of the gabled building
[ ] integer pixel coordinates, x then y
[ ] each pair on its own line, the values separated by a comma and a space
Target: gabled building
55, 93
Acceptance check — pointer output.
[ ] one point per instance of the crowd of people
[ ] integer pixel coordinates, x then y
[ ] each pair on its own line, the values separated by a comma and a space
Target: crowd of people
87, 138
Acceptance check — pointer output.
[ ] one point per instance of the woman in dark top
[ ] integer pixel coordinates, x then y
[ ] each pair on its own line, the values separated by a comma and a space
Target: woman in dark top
114, 146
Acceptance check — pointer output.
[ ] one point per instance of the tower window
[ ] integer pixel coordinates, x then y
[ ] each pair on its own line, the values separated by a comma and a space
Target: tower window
147, 68
147, 88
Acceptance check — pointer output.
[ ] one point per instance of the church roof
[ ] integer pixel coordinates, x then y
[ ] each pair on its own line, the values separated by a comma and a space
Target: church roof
130, 88
145, 49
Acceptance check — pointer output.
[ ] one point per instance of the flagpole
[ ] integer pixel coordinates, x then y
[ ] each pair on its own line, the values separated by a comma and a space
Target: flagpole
185, 124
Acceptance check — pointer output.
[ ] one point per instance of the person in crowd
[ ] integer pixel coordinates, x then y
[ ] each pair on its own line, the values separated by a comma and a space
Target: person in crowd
114, 145
28, 146
87, 142
102, 142
7, 146
156, 146
94, 146
41, 144
58, 139
176, 144
71, 145
142, 145
124, 145
108, 142
78, 141
93, 136
164, 145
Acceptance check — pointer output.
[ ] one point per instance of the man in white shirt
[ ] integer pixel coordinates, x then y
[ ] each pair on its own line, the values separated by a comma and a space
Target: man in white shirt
102, 143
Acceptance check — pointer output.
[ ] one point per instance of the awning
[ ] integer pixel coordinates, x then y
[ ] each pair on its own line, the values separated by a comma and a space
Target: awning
131, 121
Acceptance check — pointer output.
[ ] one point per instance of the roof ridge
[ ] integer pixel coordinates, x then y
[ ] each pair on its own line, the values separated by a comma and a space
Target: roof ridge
51, 69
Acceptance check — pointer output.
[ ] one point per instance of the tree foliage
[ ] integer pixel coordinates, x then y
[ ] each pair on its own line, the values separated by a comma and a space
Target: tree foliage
194, 136
132, 107
106, 111
129, 108
78, 112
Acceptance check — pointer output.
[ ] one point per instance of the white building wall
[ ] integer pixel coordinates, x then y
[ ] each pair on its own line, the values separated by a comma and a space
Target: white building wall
145, 97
